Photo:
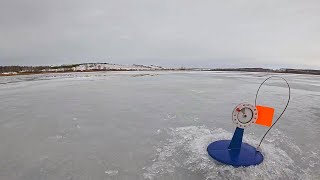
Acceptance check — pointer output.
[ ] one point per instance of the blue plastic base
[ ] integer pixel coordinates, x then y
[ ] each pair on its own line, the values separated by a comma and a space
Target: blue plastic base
247, 155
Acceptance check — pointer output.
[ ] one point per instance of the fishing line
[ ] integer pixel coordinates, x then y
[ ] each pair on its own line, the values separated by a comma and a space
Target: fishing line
289, 96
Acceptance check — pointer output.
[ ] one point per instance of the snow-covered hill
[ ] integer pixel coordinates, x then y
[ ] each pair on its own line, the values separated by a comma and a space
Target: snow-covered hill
102, 67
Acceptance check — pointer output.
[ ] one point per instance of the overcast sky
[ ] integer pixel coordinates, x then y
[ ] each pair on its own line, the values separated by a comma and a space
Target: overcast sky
200, 33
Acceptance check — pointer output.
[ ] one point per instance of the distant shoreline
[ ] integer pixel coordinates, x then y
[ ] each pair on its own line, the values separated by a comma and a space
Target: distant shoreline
189, 70
35, 73
107, 67
284, 71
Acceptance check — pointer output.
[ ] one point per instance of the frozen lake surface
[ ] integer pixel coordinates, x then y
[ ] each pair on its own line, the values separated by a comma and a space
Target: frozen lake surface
122, 125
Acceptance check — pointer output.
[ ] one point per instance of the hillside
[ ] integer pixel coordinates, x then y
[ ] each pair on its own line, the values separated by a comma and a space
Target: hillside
13, 70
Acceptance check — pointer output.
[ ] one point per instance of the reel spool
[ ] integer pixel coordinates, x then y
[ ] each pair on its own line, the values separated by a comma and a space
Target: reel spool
244, 115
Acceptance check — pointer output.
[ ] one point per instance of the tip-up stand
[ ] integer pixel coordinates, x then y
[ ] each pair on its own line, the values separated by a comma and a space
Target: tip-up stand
235, 152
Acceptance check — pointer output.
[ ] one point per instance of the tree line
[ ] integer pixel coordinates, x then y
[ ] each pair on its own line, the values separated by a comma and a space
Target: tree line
5, 69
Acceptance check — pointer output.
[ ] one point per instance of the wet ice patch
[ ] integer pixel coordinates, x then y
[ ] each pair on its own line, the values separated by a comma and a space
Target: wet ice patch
185, 148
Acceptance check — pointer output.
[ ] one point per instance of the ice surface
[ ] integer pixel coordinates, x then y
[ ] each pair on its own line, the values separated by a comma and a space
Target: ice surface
151, 125
185, 148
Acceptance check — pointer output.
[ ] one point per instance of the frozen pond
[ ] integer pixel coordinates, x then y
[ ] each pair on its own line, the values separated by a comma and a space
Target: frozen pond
124, 125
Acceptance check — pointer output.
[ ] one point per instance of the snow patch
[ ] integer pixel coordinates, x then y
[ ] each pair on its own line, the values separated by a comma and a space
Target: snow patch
111, 172
186, 148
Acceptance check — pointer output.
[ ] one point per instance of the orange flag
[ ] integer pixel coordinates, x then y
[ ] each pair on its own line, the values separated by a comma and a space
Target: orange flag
265, 115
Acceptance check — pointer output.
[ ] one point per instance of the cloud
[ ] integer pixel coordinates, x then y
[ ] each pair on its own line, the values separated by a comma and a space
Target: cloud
170, 32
